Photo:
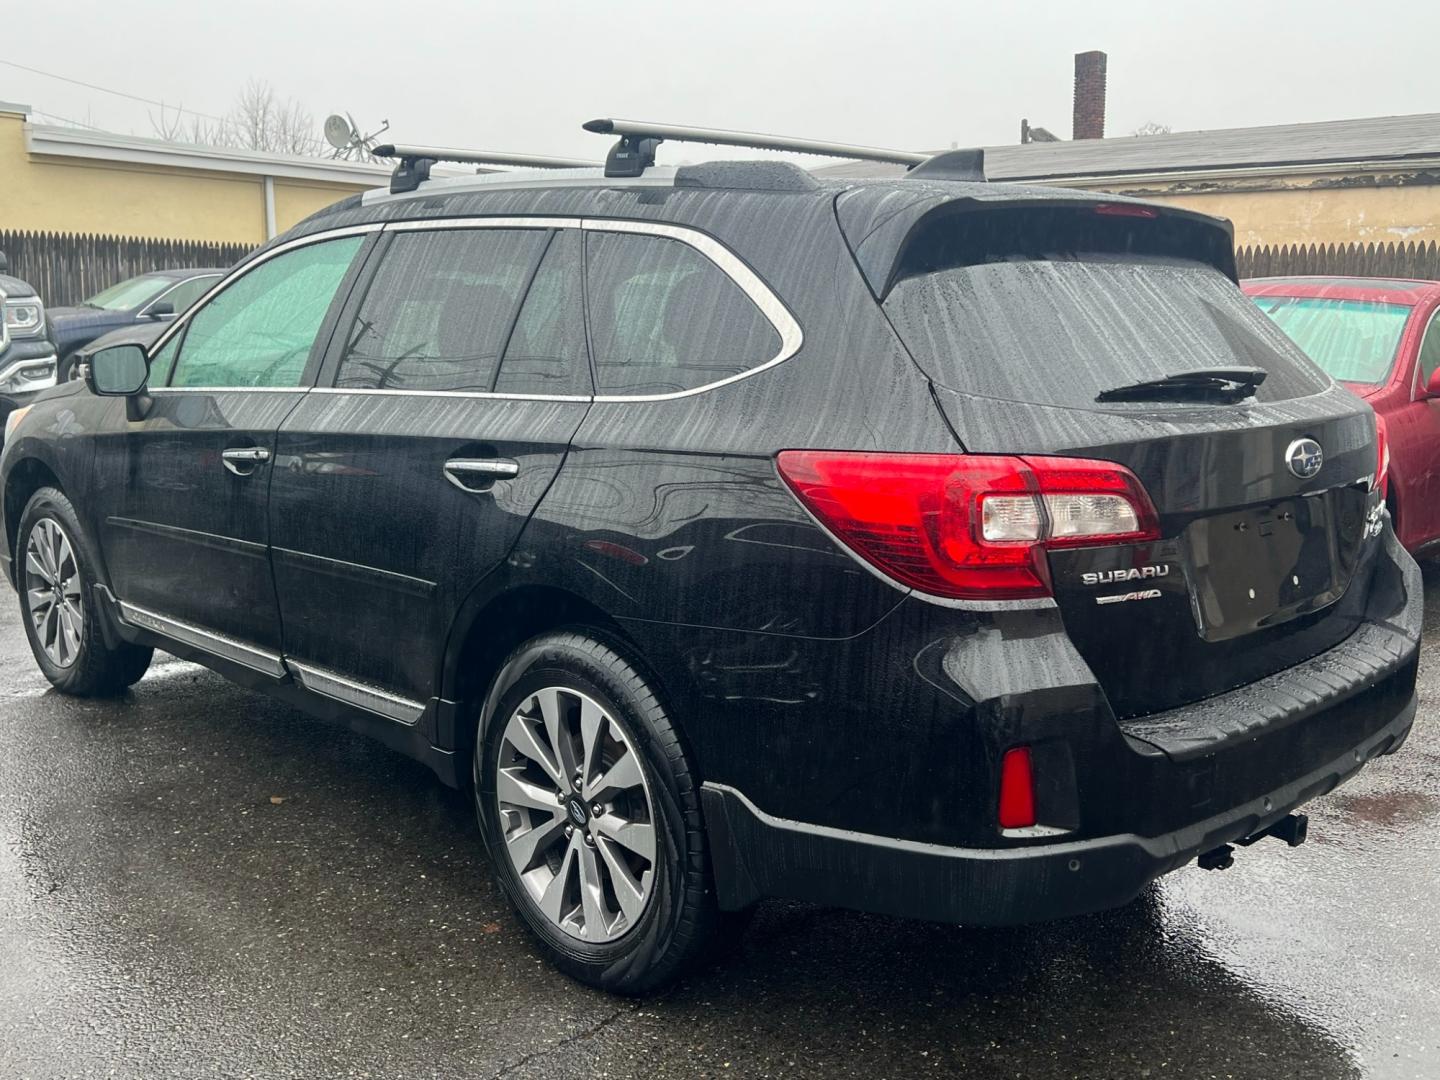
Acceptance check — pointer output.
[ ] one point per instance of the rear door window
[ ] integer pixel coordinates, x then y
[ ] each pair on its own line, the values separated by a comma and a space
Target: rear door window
439, 309
664, 318
1022, 311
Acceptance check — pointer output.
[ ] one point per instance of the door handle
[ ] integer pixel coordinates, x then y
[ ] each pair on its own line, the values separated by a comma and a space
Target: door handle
478, 474
243, 460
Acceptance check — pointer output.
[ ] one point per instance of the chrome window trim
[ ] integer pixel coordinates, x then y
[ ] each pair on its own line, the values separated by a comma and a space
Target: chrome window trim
228, 390
349, 692
792, 337
226, 280
478, 394
227, 648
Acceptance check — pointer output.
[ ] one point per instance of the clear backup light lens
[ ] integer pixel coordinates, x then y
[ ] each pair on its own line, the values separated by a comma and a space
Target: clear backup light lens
1009, 518
968, 526
1084, 516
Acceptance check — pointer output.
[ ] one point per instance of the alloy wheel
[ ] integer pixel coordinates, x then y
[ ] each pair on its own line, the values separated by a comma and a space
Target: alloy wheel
52, 592
576, 814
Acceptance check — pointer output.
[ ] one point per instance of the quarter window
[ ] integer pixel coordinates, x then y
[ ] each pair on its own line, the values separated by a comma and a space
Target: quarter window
664, 318
260, 330
439, 309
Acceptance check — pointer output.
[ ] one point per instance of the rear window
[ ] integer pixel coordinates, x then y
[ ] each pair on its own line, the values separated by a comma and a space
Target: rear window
1029, 315
1353, 340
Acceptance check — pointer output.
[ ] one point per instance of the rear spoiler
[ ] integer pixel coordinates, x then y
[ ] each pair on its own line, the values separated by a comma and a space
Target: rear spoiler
880, 222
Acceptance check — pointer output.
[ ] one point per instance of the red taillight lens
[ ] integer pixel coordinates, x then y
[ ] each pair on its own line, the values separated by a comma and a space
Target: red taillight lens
1382, 457
1126, 210
1017, 789
968, 526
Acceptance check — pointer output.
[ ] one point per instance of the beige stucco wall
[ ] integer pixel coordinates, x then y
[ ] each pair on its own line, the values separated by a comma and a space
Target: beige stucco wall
65, 194
1315, 210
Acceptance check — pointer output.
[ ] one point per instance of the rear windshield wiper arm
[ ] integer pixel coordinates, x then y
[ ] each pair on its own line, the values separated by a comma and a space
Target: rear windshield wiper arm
1231, 383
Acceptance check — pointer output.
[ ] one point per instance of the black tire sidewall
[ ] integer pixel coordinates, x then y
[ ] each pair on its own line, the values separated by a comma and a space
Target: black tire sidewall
96, 670
643, 956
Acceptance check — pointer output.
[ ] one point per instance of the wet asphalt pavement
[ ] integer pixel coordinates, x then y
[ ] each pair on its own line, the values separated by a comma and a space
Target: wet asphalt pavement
198, 882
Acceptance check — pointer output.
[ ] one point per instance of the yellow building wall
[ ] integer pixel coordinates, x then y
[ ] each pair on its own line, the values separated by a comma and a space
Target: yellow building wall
88, 196
1317, 214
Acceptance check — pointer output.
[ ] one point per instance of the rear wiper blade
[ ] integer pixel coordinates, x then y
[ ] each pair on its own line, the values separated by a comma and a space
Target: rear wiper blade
1230, 383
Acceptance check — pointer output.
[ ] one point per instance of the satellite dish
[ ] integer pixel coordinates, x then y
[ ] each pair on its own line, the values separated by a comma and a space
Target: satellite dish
338, 132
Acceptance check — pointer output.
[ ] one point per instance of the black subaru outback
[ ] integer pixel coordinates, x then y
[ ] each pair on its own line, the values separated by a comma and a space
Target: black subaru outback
953, 550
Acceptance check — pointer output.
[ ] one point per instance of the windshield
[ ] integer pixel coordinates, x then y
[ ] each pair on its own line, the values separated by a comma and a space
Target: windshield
1062, 330
134, 293
1353, 340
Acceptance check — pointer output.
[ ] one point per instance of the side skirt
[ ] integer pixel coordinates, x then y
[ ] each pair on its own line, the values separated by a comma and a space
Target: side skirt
399, 723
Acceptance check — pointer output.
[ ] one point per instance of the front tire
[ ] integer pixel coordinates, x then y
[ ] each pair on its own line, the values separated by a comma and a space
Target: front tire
56, 578
591, 814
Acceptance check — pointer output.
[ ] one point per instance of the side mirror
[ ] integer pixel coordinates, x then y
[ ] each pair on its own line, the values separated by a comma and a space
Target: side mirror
163, 310
1432, 388
119, 371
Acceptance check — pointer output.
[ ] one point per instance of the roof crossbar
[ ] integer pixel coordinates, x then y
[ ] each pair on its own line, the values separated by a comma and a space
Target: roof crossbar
413, 167
634, 130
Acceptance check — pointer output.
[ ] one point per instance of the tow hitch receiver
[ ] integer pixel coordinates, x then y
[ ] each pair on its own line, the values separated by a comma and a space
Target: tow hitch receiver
1292, 828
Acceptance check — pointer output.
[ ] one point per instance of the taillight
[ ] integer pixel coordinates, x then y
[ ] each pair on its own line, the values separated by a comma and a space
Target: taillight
969, 526
1017, 789
1126, 210
1382, 457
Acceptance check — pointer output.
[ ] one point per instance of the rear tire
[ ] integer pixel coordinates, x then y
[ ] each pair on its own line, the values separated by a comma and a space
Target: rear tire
595, 830
55, 571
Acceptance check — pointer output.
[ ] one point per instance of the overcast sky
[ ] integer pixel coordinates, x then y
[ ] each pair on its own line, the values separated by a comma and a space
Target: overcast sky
522, 75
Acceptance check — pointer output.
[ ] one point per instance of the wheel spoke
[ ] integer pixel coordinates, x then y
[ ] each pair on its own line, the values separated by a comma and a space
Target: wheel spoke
511, 790
33, 563
552, 900
638, 836
592, 894
524, 846
627, 890
555, 729
592, 724
522, 735
70, 589
621, 776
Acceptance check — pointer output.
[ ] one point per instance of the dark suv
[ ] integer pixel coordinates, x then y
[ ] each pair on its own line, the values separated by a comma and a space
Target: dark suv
957, 551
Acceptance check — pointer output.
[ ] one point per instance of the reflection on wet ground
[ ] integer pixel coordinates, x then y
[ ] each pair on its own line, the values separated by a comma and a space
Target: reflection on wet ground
198, 882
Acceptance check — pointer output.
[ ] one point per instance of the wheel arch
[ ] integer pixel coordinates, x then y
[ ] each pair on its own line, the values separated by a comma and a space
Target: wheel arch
24, 479
490, 629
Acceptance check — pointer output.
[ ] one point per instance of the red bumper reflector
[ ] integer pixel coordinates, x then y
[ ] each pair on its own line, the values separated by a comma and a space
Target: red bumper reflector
1017, 789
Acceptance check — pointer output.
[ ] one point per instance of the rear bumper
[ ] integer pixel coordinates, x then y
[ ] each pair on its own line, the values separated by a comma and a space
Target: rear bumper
756, 855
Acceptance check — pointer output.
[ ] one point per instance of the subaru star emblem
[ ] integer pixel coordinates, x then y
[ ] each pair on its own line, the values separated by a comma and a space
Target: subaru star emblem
1304, 458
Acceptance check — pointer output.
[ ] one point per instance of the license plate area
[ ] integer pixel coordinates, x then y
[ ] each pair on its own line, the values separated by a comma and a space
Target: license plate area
1264, 565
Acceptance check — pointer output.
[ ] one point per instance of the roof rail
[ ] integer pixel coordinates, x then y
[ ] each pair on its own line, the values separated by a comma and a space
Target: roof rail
639, 138
413, 168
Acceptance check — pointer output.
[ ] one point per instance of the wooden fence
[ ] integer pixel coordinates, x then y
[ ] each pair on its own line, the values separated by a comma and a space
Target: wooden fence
65, 268
1399, 260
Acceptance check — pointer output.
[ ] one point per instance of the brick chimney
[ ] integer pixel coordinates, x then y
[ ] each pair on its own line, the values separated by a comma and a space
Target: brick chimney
1089, 95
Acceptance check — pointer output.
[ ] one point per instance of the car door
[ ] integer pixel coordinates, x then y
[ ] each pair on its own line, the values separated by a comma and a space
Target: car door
1419, 440
454, 383
181, 491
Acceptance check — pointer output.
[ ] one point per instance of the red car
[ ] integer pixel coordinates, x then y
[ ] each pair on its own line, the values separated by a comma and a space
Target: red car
1381, 338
